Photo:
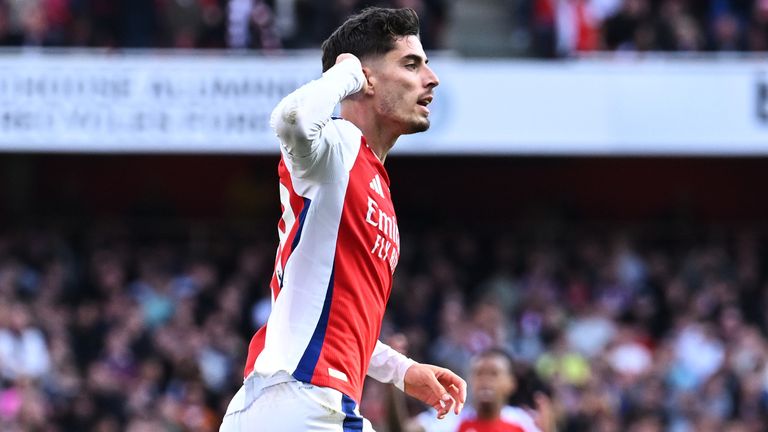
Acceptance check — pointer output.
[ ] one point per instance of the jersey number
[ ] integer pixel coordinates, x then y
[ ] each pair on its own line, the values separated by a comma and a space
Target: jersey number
288, 220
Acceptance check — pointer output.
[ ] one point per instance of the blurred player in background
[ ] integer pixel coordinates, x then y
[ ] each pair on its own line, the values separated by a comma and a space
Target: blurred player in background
492, 383
339, 240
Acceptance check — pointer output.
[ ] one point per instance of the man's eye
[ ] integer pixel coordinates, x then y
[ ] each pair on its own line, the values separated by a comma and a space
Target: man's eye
411, 66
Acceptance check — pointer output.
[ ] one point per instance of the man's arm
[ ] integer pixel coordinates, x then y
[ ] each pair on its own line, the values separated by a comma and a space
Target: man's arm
438, 387
389, 366
300, 117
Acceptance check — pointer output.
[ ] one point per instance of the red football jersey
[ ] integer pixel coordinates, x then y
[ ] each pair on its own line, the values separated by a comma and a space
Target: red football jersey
498, 425
339, 246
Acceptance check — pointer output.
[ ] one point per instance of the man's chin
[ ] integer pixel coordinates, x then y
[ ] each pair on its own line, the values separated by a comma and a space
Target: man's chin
416, 127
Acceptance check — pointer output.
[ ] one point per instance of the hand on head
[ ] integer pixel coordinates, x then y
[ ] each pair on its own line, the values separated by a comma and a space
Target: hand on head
343, 56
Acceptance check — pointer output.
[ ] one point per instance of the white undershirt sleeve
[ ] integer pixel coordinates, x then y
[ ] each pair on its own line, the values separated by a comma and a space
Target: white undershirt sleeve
388, 365
300, 117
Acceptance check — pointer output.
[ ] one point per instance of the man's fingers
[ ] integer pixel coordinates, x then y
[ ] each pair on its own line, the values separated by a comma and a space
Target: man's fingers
444, 401
457, 388
437, 389
443, 406
451, 379
456, 395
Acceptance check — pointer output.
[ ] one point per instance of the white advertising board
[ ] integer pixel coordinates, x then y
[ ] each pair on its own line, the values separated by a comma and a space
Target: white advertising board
171, 103
680, 107
144, 103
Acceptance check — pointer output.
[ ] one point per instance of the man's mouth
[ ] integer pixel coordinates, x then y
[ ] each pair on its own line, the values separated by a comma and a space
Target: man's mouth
425, 101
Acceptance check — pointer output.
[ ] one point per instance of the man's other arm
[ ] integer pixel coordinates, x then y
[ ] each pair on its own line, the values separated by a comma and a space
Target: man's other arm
437, 387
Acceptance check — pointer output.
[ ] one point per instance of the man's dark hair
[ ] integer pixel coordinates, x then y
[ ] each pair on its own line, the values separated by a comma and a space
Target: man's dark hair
497, 352
372, 32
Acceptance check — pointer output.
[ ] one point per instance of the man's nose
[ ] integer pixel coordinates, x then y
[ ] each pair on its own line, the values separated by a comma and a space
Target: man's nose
432, 80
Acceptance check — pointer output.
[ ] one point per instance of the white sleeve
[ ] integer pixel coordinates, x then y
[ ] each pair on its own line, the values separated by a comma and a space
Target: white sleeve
388, 365
300, 117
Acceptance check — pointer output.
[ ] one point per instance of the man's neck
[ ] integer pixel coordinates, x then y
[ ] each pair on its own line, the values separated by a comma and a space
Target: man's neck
379, 137
488, 412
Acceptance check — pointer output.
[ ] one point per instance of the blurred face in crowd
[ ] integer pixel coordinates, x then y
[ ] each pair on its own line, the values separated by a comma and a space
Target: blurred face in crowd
492, 383
19, 318
33, 21
401, 84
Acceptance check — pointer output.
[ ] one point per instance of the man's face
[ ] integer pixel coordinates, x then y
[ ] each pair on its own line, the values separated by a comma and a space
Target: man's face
403, 86
492, 381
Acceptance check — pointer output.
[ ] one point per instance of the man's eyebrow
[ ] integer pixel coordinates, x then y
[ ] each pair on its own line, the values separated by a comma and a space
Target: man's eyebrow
415, 57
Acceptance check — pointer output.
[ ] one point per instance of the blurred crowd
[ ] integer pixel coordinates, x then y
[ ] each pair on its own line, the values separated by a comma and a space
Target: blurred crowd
110, 329
566, 27
542, 28
239, 24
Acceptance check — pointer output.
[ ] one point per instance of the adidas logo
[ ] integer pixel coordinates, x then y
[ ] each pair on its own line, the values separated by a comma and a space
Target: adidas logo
376, 185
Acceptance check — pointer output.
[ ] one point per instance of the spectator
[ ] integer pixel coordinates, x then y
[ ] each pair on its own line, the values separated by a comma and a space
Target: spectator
492, 383
542, 28
23, 349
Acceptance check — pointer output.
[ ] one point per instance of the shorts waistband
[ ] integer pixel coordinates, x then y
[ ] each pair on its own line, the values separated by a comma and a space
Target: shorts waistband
255, 383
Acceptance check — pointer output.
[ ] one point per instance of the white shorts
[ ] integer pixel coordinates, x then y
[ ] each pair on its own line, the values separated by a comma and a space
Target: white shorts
282, 404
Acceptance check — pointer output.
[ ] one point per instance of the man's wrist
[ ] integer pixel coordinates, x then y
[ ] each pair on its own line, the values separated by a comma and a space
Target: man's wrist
402, 370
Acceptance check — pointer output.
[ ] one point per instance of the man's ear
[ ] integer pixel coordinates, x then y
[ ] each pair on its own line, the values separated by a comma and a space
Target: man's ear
370, 80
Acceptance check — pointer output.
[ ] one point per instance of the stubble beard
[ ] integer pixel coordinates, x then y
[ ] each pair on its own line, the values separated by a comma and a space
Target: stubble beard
389, 107
418, 125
